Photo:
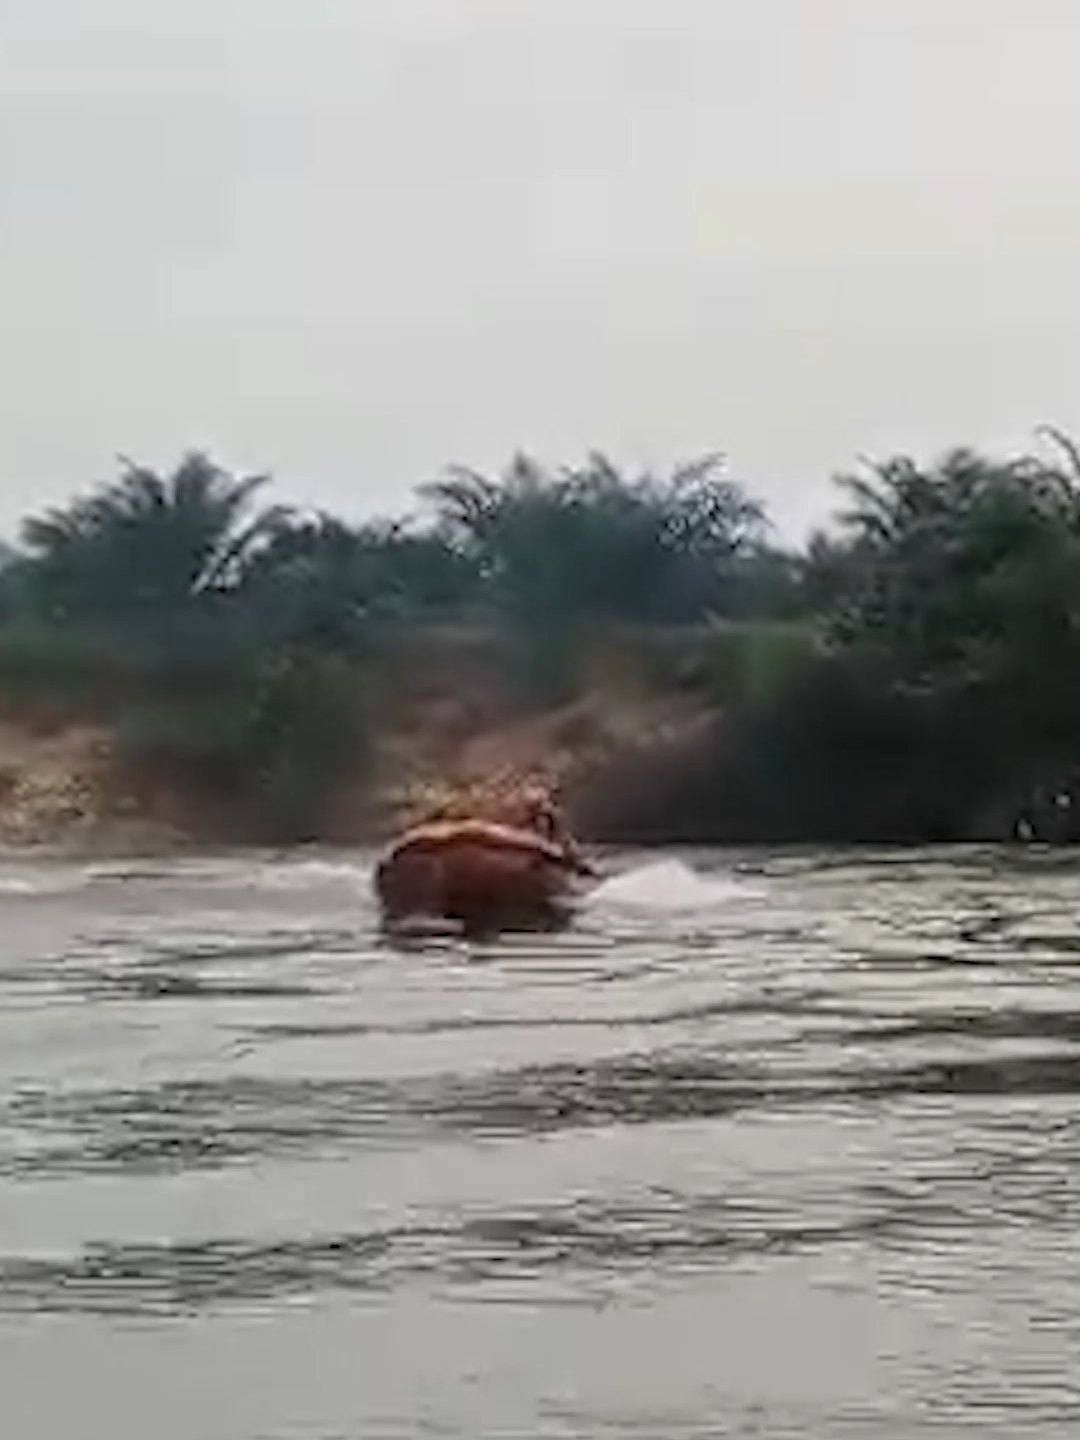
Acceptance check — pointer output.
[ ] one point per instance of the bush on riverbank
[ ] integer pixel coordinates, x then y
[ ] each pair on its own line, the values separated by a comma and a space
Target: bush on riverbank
941, 697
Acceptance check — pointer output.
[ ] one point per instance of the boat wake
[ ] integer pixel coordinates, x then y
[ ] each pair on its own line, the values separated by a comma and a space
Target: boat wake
668, 886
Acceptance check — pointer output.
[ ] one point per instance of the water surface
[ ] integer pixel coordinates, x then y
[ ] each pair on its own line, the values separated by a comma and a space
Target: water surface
791, 1154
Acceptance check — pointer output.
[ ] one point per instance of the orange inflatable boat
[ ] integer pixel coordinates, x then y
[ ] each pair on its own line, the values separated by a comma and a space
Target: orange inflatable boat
481, 873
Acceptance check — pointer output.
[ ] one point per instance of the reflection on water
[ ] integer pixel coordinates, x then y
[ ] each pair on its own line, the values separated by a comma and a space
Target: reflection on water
787, 1146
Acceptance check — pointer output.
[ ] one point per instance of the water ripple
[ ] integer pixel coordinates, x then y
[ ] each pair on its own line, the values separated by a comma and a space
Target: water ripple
835, 1092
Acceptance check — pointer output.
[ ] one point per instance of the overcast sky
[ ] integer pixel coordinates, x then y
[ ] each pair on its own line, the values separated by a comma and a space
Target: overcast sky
352, 240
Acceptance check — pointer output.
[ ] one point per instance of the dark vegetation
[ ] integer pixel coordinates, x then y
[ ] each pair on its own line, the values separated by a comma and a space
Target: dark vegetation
912, 675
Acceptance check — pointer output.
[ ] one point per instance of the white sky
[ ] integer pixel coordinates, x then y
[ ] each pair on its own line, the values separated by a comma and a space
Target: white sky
352, 240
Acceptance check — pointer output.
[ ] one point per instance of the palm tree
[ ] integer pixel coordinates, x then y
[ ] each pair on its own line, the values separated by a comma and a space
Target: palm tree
588, 540
147, 543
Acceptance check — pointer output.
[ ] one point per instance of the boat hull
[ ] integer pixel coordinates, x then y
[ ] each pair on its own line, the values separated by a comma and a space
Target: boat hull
478, 876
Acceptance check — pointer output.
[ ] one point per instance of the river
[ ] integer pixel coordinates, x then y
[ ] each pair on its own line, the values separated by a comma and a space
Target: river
781, 1146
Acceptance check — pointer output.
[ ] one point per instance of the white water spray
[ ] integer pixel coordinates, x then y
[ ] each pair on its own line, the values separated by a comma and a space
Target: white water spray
669, 885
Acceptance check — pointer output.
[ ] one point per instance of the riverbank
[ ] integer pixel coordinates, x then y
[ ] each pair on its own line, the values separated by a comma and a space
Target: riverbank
630, 766
68, 787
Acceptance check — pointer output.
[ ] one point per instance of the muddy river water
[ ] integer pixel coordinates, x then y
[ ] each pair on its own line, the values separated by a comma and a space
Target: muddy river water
764, 1145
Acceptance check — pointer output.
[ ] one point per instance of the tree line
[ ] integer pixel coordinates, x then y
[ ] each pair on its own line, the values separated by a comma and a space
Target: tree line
908, 674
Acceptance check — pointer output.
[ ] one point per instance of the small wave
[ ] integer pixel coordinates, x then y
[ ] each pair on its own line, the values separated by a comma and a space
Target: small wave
302, 874
670, 885
41, 883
